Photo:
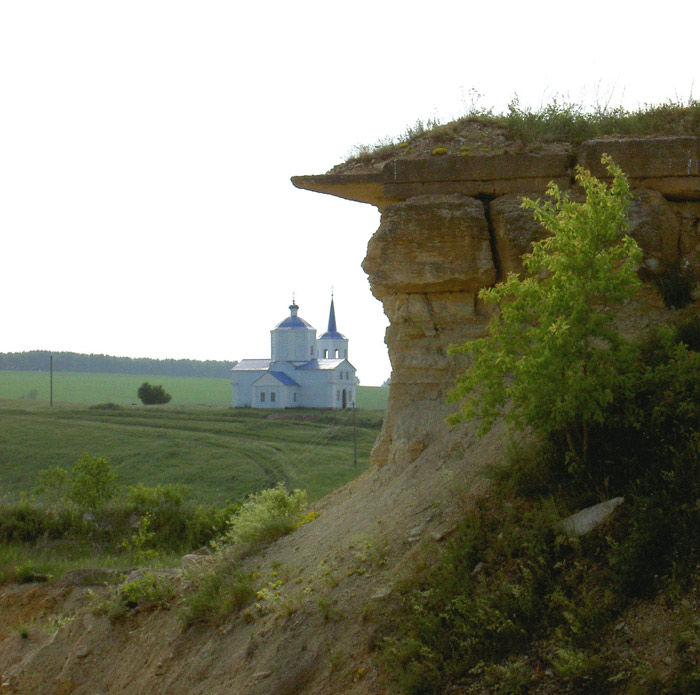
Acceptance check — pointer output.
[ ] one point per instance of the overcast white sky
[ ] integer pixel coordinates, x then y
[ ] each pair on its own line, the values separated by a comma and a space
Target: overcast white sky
146, 149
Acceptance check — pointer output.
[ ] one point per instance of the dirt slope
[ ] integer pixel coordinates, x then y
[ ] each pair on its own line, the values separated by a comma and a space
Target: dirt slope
312, 636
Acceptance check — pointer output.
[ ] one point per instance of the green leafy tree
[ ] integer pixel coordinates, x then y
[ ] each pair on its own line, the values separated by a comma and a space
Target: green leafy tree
53, 486
153, 395
93, 483
552, 359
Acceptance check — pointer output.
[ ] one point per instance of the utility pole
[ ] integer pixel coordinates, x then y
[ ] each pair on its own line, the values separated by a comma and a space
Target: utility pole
354, 431
51, 381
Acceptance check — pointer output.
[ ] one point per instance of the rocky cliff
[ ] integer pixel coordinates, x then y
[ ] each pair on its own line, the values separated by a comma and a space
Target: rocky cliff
452, 225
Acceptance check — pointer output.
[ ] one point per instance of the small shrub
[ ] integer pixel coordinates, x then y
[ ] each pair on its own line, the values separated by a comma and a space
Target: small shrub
142, 541
512, 677
263, 518
161, 496
153, 395
585, 671
676, 285
217, 593
93, 483
689, 333
150, 589
28, 572
53, 486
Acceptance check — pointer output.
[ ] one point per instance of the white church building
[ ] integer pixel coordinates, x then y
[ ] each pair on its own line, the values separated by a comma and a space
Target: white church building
303, 371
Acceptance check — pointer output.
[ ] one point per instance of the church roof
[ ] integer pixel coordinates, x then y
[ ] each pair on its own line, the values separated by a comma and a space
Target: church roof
251, 365
293, 321
332, 331
323, 363
282, 377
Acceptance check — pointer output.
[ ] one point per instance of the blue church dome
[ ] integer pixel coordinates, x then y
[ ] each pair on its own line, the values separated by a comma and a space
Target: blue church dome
294, 321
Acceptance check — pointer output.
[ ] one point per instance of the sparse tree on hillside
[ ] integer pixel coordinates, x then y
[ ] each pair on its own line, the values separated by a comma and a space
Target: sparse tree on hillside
553, 359
153, 395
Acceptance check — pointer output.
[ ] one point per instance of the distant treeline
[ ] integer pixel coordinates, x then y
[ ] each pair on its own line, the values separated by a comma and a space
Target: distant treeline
38, 361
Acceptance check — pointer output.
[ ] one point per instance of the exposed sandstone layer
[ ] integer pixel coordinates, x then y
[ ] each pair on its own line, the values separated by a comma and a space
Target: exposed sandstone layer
453, 225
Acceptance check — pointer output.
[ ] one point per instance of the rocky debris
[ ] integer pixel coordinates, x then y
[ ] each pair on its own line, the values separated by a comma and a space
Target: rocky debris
439, 535
586, 520
165, 573
193, 562
96, 576
382, 593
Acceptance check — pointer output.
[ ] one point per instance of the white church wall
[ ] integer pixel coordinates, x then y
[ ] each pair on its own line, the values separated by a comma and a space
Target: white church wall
332, 348
270, 397
242, 387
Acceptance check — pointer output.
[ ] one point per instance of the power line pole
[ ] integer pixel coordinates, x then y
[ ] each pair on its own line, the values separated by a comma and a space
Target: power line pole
354, 431
51, 381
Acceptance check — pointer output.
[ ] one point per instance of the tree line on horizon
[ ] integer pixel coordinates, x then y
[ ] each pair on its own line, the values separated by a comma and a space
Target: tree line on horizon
38, 361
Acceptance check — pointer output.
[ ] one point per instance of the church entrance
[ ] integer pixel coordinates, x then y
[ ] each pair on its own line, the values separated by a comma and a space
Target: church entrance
345, 399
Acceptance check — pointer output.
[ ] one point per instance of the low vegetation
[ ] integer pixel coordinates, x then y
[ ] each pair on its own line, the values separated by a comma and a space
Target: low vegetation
481, 131
220, 587
81, 518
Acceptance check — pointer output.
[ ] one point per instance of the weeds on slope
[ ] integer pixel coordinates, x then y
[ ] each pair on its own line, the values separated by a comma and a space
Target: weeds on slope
513, 604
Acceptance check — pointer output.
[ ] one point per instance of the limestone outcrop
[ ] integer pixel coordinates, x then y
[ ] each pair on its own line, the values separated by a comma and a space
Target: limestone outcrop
453, 225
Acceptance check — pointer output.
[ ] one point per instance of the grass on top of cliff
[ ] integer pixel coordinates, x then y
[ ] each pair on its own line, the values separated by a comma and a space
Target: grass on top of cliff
522, 129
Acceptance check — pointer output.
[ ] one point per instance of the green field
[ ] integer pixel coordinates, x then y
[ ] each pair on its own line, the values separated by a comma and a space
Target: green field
220, 453
79, 387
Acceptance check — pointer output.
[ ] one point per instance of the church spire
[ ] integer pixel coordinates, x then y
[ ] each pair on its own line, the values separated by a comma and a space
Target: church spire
331, 318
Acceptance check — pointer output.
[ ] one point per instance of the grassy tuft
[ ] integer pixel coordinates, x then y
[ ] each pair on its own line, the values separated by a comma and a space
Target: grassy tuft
216, 594
557, 121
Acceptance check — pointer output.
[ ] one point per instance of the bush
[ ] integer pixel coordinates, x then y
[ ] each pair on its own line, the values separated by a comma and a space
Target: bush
93, 483
552, 359
263, 518
150, 590
27, 522
217, 593
153, 395
676, 285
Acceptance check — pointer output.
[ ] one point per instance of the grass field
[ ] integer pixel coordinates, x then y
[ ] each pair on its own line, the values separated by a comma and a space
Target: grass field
79, 387
220, 453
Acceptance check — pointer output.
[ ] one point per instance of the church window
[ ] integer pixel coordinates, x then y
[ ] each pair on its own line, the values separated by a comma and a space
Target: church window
312, 351
295, 396
336, 353
346, 354
273, 396
262, 396
337, 395
325, 353
340, 375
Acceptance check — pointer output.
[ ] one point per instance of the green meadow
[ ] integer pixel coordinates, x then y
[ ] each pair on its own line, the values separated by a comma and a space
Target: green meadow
80, 387
221, 454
